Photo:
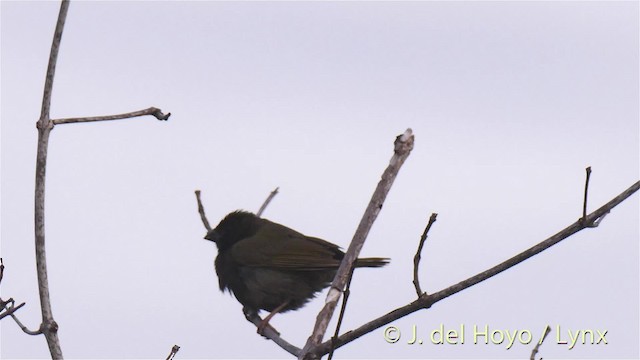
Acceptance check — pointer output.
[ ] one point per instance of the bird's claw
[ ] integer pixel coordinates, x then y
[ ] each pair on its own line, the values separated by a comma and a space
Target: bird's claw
265, 325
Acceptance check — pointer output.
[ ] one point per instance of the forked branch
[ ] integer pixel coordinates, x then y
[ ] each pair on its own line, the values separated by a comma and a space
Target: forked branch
425, 301
402, 148
7, 307
48, 326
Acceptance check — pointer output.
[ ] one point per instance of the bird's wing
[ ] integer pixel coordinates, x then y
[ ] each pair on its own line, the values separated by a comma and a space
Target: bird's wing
276, 246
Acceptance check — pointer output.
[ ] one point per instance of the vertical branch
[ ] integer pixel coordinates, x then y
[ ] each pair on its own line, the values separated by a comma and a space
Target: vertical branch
402, 148
53, 60
343, 309
49, 326
417, 257
586, 192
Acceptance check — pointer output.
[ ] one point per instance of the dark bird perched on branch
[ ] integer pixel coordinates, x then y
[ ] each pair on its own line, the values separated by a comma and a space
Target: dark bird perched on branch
268, 266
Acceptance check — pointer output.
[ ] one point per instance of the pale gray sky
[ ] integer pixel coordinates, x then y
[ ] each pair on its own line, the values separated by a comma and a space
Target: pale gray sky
509, 102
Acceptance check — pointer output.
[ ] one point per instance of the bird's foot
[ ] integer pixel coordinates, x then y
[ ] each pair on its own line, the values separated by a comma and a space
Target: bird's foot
264, 325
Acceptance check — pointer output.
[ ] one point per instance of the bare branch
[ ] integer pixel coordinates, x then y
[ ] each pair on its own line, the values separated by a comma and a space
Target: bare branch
24, 328
267, 201
10, 310
417, 257
53, 61
343, 309
547, 330
425, 301
402, 148
150, 111
174, 351
271, 333
48, 326
205, 222
3, 304
586, 192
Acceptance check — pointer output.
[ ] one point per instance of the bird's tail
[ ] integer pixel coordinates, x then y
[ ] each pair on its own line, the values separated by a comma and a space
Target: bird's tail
372, 262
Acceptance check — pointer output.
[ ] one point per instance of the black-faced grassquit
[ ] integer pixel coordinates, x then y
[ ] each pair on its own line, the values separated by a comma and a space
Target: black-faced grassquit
268, 266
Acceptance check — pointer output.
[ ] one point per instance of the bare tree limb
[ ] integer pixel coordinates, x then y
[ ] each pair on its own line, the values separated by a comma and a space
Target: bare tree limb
343, 309
547, 330
425, 301
24, 328
49, 327
174, 351
267, 201
150, 111
402, 148
53, 60
203, 217
417, 257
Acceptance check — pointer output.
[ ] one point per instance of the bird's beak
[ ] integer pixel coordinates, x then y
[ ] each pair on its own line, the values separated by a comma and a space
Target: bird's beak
212, 235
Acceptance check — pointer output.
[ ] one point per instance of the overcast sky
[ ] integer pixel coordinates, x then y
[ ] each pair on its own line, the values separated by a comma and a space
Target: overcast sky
509, 102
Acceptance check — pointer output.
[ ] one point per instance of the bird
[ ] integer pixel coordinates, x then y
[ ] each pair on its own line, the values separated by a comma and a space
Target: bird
268, 266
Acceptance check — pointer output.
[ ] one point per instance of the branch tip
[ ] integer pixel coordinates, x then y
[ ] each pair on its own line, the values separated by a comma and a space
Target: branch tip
203, 216
403, 145
174, 351
418, 256
267, 201
586, 192
153, 111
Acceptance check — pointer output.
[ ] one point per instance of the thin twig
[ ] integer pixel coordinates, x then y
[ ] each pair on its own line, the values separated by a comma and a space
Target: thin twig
586, 192
343, 308
48, 326
3, 304
271, 333
267, 201
10, 310
547, 330
24, 328
205, 222
402, 148
425, 301
174, 351
157, 113
417, 257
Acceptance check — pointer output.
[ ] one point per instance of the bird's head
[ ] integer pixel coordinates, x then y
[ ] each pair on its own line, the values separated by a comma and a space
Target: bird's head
233, 228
